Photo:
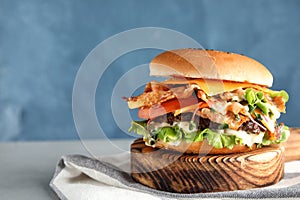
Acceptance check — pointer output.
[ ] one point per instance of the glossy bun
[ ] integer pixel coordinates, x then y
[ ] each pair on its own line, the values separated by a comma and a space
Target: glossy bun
210, 64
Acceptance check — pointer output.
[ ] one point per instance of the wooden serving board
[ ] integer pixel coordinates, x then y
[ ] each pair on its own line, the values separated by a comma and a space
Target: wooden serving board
189, 173
292, 145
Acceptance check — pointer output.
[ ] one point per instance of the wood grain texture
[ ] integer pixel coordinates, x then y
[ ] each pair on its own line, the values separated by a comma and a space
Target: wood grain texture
189, 173
292, 145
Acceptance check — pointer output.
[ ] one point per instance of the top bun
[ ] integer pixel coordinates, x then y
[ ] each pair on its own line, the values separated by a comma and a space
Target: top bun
210, 64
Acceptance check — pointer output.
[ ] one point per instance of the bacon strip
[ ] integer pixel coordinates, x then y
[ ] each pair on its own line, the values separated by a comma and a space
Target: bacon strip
156, 93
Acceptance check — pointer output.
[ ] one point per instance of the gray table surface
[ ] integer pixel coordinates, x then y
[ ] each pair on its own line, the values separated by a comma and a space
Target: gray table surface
27, 167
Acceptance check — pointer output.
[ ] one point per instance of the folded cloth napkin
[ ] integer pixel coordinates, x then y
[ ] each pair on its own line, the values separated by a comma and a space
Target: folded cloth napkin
81, 177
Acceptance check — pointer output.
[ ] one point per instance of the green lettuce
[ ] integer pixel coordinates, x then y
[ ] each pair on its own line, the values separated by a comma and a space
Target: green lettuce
176, 134
256, 99
218, 140
168, 134
215, 139
285, 133
281, 93
139, 127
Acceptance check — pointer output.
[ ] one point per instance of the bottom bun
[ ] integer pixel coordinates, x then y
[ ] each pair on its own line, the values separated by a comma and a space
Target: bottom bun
203, 148
172, 171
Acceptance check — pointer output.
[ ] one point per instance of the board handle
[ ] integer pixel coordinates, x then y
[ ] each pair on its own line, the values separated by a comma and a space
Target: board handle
292, 145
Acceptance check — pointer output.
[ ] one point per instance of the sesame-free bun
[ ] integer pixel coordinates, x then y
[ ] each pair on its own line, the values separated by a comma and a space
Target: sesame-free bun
210, 64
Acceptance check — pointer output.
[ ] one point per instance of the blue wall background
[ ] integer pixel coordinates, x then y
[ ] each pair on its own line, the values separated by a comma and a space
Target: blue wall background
42, 44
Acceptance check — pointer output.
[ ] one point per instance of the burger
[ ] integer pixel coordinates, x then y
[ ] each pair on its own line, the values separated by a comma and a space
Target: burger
211, 103
219, 97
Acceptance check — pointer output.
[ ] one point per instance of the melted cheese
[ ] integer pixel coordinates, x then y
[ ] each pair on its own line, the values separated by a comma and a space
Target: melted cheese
213, 87
184, 125
247, 139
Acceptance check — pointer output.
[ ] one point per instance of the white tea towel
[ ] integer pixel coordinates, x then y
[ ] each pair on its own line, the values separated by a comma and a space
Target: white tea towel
80, 177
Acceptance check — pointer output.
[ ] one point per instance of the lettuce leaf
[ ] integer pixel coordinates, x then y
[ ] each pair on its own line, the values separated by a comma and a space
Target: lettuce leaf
263, 107
281, 93
285, 133
169, 134
215, 139
139, 127
250, 96
218, 140
256, 99
176, 134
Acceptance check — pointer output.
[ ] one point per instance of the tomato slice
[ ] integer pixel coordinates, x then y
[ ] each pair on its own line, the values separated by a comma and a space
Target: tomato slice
165, 107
